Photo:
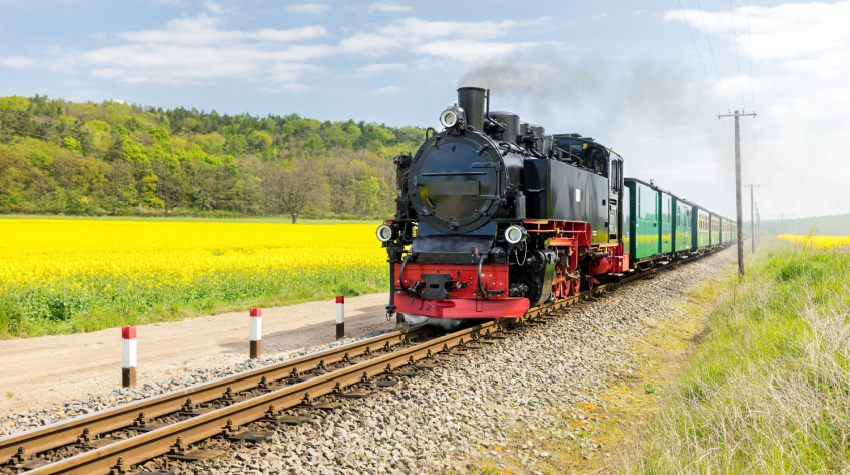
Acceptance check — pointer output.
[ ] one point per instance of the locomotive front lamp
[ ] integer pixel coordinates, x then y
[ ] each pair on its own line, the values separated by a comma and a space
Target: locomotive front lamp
515, 234
448, 118
385, 233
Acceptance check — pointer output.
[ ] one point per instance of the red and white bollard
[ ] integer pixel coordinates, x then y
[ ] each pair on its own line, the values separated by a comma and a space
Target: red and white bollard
128, 356
340, 317
256, 331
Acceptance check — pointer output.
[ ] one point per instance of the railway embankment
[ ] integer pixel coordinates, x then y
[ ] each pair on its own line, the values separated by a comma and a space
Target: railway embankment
766, 390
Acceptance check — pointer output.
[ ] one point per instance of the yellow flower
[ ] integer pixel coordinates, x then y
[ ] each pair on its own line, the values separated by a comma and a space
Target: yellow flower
817, 242
64, 253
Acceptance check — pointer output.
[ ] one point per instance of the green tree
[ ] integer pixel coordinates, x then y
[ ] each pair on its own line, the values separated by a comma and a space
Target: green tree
102, 157
73, 145
299, 188
149, 184
14, 104
367, 194
315, 143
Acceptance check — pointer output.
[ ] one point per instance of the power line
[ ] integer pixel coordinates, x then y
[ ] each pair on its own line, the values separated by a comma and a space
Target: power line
737, 56
704, 71
750, 39
713, 58
752, 89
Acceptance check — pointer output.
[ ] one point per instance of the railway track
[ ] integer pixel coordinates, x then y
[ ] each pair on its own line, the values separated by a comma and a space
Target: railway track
115, 440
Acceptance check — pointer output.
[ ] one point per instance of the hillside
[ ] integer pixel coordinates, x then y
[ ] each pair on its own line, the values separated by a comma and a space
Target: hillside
113, 158
833, 225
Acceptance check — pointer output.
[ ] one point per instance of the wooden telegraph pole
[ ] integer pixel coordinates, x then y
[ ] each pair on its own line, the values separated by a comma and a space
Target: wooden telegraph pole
737, 115
753, 217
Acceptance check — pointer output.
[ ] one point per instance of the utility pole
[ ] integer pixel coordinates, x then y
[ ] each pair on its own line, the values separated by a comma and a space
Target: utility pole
753, 216
737, 116
758, 222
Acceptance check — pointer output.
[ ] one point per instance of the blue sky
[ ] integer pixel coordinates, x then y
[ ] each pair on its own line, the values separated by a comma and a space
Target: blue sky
625, 72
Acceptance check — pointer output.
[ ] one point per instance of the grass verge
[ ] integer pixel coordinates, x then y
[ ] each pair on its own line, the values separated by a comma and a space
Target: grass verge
90, 305
768, 390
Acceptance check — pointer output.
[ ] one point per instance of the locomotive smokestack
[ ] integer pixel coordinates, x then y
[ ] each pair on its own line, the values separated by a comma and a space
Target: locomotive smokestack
471, 99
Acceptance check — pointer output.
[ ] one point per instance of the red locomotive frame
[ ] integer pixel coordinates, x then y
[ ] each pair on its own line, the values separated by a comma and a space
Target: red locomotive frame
569, 239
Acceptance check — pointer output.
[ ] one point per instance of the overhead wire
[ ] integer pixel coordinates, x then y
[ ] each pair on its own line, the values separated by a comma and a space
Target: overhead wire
737, 55
750, 40
755, 142
701, 63
713, 58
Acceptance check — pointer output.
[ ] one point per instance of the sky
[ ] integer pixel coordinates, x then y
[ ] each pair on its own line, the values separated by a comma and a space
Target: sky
646, 78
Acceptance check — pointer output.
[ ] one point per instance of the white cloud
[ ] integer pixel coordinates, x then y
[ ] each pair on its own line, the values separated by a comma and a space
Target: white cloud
472, 51
196, 51
387, 90
290, 87
372, 69
204, 30
200, 50
212, 6
414, 33
388, 7
800, 54
798, 35
20, 62
309, 8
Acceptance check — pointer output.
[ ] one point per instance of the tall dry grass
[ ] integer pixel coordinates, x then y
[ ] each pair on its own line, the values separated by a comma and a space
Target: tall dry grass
768, 391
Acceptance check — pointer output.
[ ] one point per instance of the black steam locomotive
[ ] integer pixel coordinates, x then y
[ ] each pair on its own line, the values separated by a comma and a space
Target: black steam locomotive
495, 216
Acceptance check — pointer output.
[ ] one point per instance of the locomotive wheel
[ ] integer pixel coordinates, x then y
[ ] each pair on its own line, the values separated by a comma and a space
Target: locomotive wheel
588, 282
575, 286
560, 284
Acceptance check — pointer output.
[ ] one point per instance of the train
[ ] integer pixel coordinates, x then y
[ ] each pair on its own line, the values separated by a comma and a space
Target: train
495, 216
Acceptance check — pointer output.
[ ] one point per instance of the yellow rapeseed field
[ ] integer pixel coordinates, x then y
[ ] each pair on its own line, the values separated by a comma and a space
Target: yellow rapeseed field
816, 242
54, 270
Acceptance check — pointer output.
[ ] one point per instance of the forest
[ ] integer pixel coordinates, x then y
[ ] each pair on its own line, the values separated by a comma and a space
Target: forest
113, 158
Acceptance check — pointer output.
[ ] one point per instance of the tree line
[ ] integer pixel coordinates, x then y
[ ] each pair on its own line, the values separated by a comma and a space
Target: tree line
113, 158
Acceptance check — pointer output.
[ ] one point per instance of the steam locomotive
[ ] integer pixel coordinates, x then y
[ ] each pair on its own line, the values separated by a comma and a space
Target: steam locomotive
495, 216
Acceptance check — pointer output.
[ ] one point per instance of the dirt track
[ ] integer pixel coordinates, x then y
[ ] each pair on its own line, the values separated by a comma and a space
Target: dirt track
40, 372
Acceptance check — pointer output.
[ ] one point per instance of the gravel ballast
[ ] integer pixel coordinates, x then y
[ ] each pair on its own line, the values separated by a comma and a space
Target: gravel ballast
468, 410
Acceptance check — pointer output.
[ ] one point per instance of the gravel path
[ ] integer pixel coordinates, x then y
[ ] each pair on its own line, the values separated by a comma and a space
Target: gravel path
496, 400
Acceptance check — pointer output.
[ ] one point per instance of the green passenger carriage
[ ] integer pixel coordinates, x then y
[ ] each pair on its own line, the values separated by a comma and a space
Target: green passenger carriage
683, 224
714, 239
643, 225
662, 226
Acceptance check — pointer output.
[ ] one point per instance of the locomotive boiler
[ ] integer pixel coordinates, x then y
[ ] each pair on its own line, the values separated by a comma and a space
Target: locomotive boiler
494, 215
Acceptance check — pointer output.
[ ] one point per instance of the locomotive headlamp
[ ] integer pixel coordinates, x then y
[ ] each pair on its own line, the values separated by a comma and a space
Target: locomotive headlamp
385, 233
452, 116
448, 118
515, 234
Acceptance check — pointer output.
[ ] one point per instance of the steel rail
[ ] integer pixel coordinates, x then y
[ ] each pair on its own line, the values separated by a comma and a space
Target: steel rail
145, 446
66, 432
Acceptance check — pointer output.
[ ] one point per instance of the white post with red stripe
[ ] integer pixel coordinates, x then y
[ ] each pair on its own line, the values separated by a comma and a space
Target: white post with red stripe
128, 356
256, 331
340, 317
